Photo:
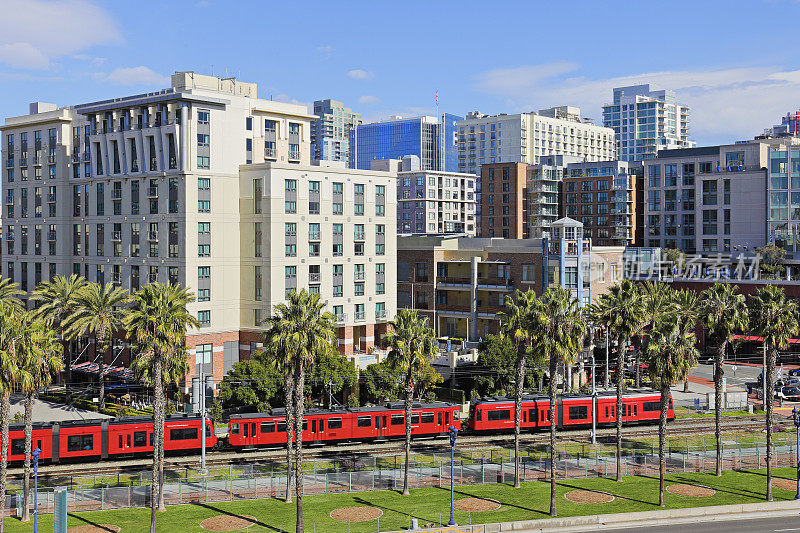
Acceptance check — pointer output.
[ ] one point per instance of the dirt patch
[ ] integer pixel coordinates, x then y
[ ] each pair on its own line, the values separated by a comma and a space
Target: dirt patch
92, 528
360, 513
223, 522
695, 491
588, 496
476, 505
785, 484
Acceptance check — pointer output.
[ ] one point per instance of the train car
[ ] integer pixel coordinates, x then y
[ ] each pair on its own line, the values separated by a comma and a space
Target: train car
94, 440
359, 424
496, 415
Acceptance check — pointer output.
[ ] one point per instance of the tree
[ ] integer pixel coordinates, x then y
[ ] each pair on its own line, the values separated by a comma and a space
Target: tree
11, 333
657, 298
670, 351
412, 347
10, 293
772, 257
39, 359
330, 373
774, 318
515, 325
99, 311
723, 313
557, 329
496, 366
621, 311
56, 301
305, 330
250, 386
673, 258
157, 322
379, 382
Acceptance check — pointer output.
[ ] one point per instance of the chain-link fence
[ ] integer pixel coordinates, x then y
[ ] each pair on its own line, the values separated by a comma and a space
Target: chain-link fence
470, 467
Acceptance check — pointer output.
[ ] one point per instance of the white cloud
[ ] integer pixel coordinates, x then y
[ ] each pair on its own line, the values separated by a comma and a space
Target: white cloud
723, 102
367, 99
358, 74
136, 76
325, 51
55, 34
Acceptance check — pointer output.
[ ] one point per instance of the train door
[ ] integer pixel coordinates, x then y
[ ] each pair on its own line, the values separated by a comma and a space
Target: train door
124, 441
249, 433
380, 426
317, 429
440, 421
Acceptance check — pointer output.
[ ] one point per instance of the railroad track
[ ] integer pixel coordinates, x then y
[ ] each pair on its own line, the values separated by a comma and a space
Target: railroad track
679, 427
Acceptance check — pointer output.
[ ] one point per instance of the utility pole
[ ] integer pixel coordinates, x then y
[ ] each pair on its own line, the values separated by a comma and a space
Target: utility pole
605, 379
202, 388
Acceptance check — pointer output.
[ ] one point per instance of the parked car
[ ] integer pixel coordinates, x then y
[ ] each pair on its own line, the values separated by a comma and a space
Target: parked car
794, 372
790, 394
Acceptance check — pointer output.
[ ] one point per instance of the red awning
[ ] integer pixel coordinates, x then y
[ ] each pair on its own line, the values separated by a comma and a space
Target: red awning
753, 338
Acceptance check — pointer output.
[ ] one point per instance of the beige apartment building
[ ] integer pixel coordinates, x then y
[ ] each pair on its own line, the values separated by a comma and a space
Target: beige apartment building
147, 188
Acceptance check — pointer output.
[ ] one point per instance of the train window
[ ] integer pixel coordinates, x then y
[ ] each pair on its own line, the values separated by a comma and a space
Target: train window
532, 415
183, 434
634, 409
280, 426
364, 421
398, 420
455, 415
79, 443
478, 415
151, 439
651, 406
305, 425
335, 423
427, 418
499, 414
17, 446
415, 418
120, 441
139, 438
128, 440
267, 427
235, 428
209, 431
578, 412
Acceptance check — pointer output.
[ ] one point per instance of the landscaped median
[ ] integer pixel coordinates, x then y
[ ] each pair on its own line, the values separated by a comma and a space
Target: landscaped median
389, 511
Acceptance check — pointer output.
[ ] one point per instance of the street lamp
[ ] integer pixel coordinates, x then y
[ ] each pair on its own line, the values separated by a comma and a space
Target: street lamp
35, 454
453, 435
796, 420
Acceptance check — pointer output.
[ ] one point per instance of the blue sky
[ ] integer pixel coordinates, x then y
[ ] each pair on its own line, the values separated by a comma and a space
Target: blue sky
734, 62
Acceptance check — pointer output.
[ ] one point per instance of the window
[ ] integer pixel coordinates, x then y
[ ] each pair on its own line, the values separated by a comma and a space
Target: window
498, 414
267, 427
335, 423
203, 162
183, 434
578, 412
204, 317
80, 443
203, 116
203, 139
364, 421
528, 273
709, 192
291, 250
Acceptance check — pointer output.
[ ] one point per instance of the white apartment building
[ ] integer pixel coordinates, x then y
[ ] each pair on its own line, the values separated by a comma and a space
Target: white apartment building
526, 137
327, 229
147, 188
646, 121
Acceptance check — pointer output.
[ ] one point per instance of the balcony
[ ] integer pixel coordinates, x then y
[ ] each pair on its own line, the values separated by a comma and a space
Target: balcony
313, 277
359, 275
453, 308
116, 236
359, 236
313, 236
294, 155
51, 236
340, 318
270, 153
152, 192
153, 278
116, 194
489, 309
51, 198
380, 314
453, 281
152, 236
504, 283
361, 316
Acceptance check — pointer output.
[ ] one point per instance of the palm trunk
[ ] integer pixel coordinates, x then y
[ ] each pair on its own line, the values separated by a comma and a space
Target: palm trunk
154, 482
298, 446
518, 409
289, 388
662, 439
26, 483
620, 375
686, 385
4, 411
102, 378
553, 367
409, 395
568, 373
718, 403
160, 400
638, 370
768, 402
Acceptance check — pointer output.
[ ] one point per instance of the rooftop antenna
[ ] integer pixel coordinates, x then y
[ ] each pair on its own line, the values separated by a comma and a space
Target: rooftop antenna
212, 69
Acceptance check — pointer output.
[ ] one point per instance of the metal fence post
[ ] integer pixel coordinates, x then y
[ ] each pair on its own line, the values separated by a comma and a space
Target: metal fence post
350, 483
102, 498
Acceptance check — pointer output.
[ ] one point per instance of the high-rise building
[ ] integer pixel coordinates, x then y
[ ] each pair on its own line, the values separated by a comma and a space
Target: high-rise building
646, 121
504, 203
330, 130
431, 139
149, 188
526, 137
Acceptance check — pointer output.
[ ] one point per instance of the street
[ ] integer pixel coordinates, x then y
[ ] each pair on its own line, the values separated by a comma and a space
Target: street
733, 525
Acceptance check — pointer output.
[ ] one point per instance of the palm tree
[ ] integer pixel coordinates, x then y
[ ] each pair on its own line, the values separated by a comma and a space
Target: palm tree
723, 313
11, 334
657, 297
10, 293
774, 318
558, 330
515, 324
157, 322
279, 356
670, 351
57, 299
39, 358
99, 311
412, 346
306, 330
621, 311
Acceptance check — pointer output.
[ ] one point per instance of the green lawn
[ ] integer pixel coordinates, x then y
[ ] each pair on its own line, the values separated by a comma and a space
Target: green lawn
431, 505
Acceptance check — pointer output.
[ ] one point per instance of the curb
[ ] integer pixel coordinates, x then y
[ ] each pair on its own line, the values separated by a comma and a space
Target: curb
640, 519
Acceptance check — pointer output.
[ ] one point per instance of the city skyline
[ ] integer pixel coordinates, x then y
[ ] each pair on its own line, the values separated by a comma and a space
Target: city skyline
718, 81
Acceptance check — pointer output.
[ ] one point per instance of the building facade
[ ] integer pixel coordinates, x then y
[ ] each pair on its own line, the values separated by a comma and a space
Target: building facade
707, 200
330, 130
436, 202
783, 209
607, 198
328, 230
431, 139
505, 201
646, 121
